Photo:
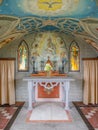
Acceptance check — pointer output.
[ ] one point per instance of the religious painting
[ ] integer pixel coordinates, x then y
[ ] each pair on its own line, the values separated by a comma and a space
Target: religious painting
74, 57
23, 56
49, 53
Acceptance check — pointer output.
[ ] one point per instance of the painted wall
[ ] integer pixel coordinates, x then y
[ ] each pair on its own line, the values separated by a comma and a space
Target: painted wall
49, 46
76, 90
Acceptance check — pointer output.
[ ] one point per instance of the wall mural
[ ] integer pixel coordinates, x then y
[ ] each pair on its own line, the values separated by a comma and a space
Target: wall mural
49, 53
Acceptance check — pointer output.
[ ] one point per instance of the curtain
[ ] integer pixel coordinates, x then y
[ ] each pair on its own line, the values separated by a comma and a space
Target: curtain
90, 81
7, 90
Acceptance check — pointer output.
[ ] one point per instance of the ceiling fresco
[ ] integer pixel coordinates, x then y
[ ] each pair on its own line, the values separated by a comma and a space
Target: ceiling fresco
52, 8
68, 16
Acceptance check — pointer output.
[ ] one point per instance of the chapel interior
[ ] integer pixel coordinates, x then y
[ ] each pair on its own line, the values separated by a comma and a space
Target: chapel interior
48, 38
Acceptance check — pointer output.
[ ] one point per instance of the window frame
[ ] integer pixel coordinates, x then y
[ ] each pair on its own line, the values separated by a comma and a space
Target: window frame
26, 45
72, 43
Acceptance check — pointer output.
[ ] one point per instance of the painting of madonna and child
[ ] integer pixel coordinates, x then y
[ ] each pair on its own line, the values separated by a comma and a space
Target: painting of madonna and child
49, 55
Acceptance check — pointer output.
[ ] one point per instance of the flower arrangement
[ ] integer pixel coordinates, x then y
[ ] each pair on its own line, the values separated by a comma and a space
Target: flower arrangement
48, 67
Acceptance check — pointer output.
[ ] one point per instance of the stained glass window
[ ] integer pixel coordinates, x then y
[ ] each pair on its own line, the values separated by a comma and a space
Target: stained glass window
74, 57
23, 57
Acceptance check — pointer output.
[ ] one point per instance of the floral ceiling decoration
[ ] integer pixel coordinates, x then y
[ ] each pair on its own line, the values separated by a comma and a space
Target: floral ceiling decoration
90, 26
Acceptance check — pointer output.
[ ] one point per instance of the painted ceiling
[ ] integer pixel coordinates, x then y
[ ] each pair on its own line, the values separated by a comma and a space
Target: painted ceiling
50, 8
74, 17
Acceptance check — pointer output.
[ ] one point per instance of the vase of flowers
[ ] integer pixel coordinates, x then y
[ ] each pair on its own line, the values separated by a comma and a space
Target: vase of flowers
48, 69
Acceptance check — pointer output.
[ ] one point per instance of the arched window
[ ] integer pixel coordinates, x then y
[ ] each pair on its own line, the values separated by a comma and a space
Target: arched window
74, 62
23, 56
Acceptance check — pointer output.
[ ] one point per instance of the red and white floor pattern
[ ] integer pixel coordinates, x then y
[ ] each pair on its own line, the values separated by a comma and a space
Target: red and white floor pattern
6, 114
91, 113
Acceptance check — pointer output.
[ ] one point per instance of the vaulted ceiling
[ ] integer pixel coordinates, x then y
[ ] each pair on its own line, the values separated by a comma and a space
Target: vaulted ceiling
72, 17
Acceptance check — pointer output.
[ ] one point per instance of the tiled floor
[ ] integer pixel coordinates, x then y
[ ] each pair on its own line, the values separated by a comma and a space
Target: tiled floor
91, 114
76, 124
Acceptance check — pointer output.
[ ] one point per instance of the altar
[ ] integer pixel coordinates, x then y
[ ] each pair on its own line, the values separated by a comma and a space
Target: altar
48, 83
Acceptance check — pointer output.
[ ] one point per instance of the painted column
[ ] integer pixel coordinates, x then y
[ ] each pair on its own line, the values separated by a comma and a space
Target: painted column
30, 91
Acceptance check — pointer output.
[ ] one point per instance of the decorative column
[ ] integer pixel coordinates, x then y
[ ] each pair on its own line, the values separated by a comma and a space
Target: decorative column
30, 95
66, 88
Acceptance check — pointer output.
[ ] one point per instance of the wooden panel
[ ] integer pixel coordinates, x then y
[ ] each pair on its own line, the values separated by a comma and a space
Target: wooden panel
7, 59
90, 58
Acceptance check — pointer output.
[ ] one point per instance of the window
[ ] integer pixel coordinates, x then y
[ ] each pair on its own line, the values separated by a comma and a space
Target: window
74, 57
23, 56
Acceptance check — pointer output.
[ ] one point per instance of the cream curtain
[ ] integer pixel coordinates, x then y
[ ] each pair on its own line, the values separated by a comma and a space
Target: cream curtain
90, 81
7, 90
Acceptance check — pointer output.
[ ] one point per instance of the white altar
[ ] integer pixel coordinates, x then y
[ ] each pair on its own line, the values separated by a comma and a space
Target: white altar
34, 81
